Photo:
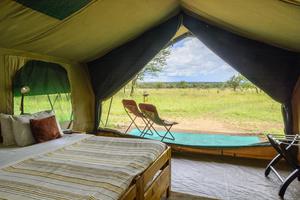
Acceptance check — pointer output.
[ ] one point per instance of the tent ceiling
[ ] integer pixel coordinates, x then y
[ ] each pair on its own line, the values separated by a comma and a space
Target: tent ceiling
271, 21
88, 34
102, 25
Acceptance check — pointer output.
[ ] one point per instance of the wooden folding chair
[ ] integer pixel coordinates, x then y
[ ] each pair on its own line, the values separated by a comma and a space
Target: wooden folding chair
133, 112
151, 113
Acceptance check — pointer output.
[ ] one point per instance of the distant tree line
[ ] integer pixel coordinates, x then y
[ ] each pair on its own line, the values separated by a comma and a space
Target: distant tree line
236, 82
181, 84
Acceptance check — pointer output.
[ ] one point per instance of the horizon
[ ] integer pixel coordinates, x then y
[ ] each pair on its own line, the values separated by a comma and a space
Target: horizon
181, 81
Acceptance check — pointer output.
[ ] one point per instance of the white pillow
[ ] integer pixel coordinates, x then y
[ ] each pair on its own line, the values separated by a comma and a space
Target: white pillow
45, 114
22, 131
6, 130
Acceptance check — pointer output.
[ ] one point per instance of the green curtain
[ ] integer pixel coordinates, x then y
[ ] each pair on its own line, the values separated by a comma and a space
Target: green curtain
112, 71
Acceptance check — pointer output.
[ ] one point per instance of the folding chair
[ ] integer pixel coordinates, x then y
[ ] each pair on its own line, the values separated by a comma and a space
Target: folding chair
151, 113
284, 145
133, 112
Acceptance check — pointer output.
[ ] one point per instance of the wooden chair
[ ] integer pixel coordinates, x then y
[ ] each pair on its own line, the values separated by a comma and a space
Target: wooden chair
151, 113
133, 112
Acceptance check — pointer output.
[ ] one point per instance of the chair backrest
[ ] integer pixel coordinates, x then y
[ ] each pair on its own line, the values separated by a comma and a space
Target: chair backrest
131, 107
150, 112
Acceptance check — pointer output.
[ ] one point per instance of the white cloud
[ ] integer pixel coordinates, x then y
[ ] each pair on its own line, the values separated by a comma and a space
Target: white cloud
190, 59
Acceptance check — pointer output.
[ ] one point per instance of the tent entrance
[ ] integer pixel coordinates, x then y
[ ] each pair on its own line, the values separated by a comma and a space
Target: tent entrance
217, 117
271, 68
201, 92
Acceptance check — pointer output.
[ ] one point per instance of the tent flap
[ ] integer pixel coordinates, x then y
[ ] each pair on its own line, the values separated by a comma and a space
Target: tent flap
272, 69
112, 71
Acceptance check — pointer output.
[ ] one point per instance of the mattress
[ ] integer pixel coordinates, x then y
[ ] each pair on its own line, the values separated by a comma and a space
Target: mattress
11, 154
76, 166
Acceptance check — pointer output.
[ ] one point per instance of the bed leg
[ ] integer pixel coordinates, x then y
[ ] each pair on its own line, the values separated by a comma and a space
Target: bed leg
140, 188
168, 192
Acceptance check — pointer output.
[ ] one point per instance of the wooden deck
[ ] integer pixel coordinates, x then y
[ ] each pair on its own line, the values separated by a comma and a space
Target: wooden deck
256, 152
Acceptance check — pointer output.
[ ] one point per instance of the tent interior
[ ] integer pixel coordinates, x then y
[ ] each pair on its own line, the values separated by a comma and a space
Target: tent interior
88, 49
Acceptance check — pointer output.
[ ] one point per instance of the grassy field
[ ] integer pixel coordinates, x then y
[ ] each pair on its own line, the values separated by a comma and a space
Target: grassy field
32, 104
245, 112
195, 109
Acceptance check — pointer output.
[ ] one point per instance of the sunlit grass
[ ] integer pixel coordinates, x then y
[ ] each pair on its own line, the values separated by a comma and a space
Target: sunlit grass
256, 112
32, 104
251, 111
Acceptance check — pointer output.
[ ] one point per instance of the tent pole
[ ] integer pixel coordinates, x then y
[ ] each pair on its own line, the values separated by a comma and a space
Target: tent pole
49, 99
111, 99
58, 95
71, 120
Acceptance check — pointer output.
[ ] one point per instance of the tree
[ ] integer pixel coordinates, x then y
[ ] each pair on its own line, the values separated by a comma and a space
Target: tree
182, 84
153, 68
234, 82
239, 81
246, 84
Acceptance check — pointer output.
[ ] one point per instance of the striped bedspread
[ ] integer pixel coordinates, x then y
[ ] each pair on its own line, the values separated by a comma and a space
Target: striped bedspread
93, 168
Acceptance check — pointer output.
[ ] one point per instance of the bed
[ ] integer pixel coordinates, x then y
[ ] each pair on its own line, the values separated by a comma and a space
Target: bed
82, 166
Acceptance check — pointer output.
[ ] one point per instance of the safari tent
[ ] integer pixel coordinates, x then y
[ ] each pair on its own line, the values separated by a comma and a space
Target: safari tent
101, 45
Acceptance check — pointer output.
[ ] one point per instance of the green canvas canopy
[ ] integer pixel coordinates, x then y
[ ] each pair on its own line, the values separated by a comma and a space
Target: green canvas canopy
42, 78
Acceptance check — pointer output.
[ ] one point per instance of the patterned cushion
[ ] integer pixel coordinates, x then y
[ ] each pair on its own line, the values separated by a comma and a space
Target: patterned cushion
45, 114
44, 129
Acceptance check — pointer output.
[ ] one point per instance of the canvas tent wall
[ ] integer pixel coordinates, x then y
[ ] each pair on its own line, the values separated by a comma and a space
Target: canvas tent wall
74, 34
11, 61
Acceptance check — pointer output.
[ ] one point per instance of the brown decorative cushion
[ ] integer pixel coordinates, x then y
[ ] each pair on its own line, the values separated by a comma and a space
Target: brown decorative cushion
44, 129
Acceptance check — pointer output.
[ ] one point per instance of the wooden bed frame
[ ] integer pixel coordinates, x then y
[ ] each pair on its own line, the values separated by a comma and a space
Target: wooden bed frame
153, 182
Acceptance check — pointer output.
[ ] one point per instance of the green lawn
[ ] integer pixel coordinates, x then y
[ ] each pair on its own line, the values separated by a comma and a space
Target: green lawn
246, 112
249, 111
32, 104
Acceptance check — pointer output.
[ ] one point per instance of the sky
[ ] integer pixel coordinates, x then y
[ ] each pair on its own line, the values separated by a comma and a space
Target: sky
191, 61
